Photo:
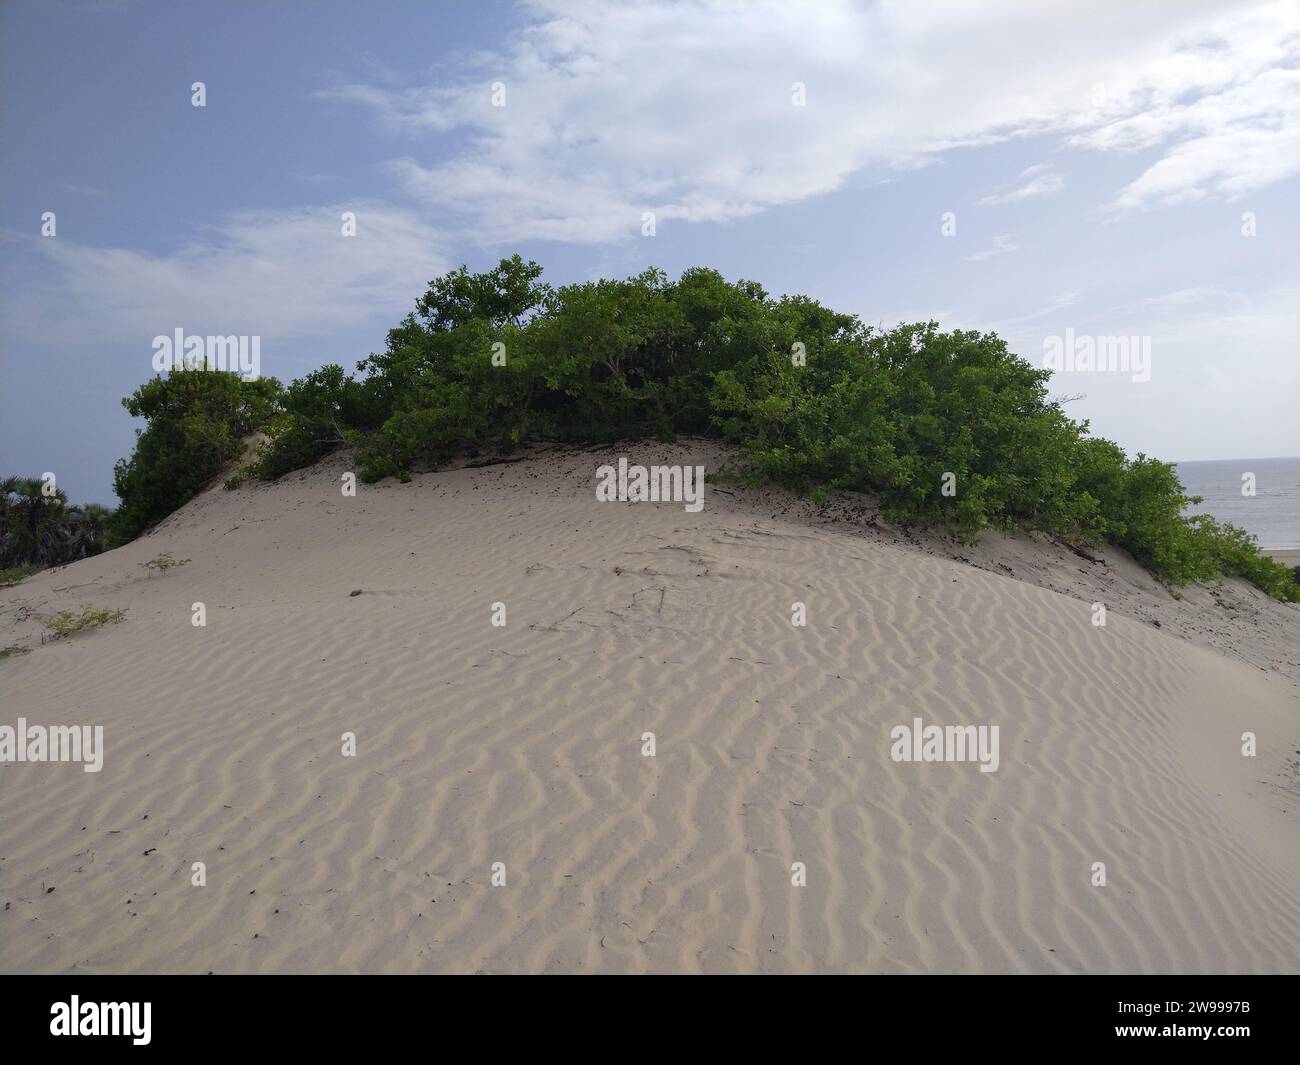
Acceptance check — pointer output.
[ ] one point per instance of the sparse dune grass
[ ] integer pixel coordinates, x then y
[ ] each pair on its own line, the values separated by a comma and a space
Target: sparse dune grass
17, 574
68, 622
163, 563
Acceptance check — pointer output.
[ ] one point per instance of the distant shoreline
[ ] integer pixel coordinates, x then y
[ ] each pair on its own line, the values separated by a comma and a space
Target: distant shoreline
1271, 513
1288, 556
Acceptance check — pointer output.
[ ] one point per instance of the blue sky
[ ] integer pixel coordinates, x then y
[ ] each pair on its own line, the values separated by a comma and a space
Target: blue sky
1098, 158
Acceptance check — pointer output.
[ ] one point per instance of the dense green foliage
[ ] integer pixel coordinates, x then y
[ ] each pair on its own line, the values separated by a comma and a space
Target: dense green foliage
811, 398
196, 423
39, 530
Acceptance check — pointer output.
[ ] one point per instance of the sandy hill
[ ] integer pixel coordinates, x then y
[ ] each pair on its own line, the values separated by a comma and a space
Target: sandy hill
523, 744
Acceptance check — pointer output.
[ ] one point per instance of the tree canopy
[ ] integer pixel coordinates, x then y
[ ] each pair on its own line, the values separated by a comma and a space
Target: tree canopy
946, 428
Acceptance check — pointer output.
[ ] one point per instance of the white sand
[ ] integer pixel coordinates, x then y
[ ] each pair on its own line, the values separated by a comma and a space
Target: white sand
522, 745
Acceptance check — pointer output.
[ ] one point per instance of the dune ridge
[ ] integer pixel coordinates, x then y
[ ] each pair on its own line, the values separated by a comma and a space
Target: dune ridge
522, 745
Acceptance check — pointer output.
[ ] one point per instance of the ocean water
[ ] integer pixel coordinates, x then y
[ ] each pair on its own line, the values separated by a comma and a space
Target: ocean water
1272, 514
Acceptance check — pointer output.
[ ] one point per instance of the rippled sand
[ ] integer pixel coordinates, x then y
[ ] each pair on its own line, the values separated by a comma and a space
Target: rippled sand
523, 745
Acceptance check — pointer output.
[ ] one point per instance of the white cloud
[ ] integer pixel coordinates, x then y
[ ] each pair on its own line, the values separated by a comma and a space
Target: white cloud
280, 274
1230, 163
1002, 245
1201, 300
1005, 325
686, 111
1034, 181
92, 191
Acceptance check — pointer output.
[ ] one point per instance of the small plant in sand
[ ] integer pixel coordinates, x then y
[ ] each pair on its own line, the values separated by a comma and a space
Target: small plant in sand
68, 622
163, 563
12, 651
16, 574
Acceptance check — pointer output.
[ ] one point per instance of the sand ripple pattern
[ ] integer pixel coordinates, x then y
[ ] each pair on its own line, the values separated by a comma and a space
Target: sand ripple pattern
522, 745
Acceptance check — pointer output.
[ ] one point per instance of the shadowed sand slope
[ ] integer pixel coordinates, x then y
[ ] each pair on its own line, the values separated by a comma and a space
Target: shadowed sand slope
523, 745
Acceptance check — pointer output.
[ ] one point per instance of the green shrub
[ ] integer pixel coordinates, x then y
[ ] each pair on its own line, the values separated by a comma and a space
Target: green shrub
196, 421
314, 416
162, 563
11, 575
1235, 552
68, 622
900, 413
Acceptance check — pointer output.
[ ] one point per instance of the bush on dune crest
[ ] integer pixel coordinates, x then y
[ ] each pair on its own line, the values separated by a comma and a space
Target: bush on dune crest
196, 423
886, 412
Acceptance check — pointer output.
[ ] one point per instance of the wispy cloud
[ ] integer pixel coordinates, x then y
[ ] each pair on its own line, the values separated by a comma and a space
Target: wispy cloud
690, 112
1004, 325
83, 190
1034, 181
278, 274
1002, 245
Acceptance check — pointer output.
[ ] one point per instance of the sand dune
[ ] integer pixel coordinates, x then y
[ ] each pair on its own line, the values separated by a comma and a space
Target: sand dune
523, 745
